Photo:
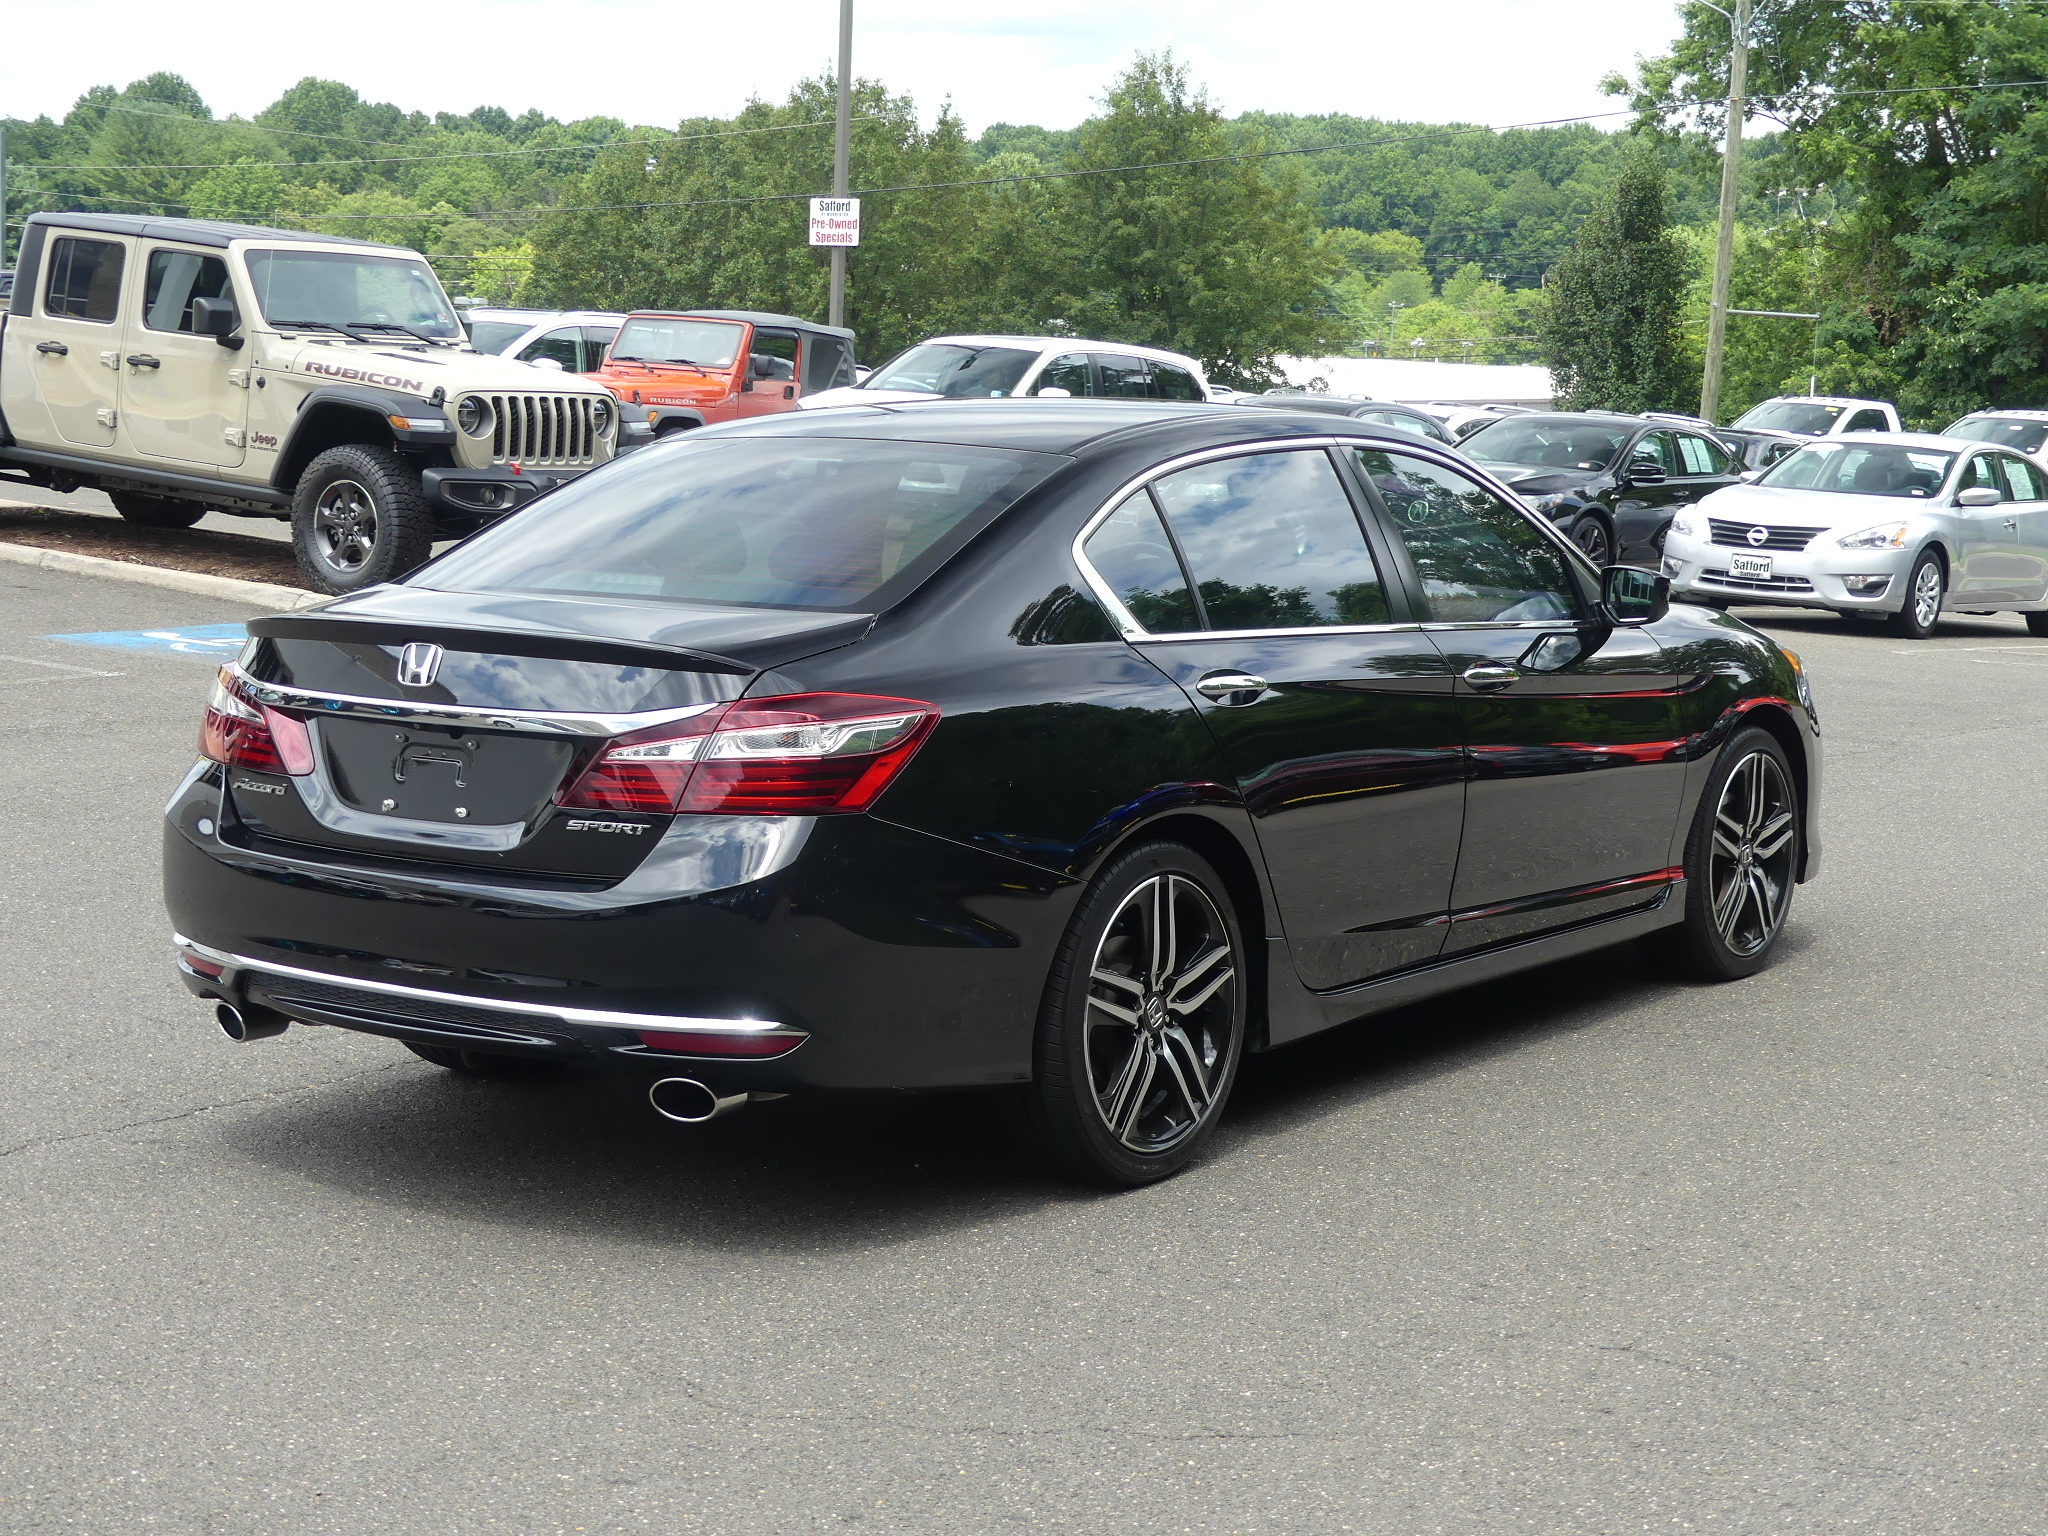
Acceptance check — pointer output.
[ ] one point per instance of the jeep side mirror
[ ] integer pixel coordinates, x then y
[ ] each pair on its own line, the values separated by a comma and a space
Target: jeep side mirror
759, 367
1642, 472
217, 318
1977, 496
1630, 595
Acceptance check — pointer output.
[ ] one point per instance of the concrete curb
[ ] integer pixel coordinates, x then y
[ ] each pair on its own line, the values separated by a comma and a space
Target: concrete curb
257, 594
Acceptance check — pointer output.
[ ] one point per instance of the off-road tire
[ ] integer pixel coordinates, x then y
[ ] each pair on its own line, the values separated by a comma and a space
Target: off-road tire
1063, 1110
155, 511
1700, 947
359, 518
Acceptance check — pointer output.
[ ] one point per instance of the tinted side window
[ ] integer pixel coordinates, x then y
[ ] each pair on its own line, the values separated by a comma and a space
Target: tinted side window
828, 362
559, 345
1272, 543
85, 280
1133, 554
174, 279
1480, 560
1171, 383
1867, 421
1655, 448
1699, 456
2022, 479
595, 339
1073, 373
1983, 470
1123, 378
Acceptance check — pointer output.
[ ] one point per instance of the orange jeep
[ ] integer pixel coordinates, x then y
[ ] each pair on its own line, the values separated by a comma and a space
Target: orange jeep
698, 367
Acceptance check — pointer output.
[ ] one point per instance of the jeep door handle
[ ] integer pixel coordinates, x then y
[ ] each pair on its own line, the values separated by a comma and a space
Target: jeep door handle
143, 360
1231, 687
53, 348
1488, 679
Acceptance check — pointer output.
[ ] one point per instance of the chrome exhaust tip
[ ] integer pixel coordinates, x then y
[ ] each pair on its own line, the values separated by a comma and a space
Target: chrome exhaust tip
689, 1102
250, 1023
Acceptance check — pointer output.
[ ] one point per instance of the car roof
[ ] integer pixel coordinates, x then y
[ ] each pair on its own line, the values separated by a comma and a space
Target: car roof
1061, 344
1902, 439
2004, 413
1818, 400
1070, 427
540, 316
195, 231
1587, 418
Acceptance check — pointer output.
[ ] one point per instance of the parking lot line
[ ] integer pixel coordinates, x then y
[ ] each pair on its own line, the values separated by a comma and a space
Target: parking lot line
66, 673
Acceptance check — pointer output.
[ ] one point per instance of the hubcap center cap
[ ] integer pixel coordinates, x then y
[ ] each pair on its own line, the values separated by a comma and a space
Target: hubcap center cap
1154, 1011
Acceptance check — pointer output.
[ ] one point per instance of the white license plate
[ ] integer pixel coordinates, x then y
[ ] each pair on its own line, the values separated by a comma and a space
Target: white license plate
1749, 565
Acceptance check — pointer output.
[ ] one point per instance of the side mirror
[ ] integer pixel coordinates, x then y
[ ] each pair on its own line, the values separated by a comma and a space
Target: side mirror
1978, 496
545, 362
759, 367
1630, 595
1055, 393
1750, 474
219, 319
1642, 473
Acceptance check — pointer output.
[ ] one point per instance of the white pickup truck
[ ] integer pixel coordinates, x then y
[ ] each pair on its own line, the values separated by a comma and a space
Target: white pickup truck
184, 366
1767, 431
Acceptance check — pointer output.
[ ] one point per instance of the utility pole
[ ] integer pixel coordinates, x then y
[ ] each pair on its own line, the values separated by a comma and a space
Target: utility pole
1724, 244
3, 197
842, 155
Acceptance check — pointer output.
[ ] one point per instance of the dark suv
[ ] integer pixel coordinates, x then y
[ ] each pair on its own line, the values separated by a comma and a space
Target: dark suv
1611, 482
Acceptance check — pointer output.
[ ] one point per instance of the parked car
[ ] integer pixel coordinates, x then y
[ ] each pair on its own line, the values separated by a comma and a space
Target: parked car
1611, 482
6, 284
674, 372
1766, 432
1000, 367
1461, 421
1066, 749
1381, 412
573, 340
1898, 525
2022, 431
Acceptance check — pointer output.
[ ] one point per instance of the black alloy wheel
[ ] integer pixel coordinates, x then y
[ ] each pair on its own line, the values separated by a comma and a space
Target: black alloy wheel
1591, 535
485, 1064
1741, 865
1921, 610
1142, 1026
155, 511
358, 519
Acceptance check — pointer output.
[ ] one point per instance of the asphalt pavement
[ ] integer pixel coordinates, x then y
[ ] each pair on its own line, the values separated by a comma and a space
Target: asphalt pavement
1583, 1252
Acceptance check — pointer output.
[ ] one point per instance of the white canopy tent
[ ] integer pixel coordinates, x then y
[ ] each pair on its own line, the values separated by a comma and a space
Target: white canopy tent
1394, 378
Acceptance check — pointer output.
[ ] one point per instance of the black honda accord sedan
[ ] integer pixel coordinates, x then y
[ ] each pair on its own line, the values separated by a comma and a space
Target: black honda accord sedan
1069, 749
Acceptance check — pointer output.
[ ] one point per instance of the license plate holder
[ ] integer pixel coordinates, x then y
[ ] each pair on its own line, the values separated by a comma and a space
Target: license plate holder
1752, 566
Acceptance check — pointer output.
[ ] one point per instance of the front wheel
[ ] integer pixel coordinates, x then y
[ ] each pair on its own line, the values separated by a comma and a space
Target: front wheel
1741, 865
359, 518
1143, 1021
1591, 535
155, 511
1915, 620
2037, 623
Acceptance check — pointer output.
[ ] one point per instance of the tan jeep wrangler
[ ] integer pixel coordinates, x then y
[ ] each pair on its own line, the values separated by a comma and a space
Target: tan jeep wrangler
184, 366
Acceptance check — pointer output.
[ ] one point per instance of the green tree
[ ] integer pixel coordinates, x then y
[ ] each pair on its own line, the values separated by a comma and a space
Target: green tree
1611, 333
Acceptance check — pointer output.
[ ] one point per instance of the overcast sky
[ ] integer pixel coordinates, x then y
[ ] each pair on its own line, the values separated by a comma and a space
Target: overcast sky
657, 61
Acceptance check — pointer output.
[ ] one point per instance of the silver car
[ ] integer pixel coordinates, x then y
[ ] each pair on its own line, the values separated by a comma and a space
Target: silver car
1900, 525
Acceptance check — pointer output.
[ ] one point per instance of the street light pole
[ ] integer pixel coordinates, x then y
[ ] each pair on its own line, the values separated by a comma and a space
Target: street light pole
1724, 244
842, 155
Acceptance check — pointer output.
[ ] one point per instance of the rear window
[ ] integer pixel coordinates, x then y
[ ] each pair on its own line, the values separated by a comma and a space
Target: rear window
2026, 436
821, 523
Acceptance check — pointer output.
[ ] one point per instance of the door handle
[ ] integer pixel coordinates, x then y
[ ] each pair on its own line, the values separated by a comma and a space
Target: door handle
1490, 679
2010, 523
143, 360
1231, 687
53, 348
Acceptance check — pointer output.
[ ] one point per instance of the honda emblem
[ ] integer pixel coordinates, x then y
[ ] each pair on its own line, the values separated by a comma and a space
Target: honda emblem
418, 663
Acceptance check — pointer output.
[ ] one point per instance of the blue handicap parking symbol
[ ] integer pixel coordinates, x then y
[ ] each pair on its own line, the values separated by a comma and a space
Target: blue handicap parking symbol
213, 643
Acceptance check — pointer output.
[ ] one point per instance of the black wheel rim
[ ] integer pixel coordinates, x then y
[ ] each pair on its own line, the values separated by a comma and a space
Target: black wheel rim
1162, 1014
1592, 538
1749, 868
345, 526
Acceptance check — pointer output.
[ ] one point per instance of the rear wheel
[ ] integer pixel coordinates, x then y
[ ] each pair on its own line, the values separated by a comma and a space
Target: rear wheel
1142, 1026
2037, 623
479, 1063
1741, 865
359, 518
155, 511
1916, 619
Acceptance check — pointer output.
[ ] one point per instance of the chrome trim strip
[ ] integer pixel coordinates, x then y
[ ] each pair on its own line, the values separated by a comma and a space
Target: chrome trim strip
462, 716
1279, 634
654, 1021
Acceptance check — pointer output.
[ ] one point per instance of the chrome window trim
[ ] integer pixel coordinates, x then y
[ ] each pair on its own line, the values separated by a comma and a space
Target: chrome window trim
1148, 638
604, 1016
462, 716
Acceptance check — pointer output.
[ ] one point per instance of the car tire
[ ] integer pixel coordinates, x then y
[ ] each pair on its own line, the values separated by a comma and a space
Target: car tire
1921, 610
1735, 905
2037, 623
486, 1064
359, 518
1137, 1048
1595, 540
155, 511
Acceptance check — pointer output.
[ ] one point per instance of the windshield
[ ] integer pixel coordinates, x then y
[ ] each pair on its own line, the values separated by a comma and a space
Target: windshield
1852, 469
2026, 436
1551, 444
338, 289
788, 522
1792, 416
707, 343
495, 335
954, 370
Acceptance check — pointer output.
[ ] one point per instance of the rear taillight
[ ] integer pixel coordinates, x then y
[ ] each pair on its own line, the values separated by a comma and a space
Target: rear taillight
241, 733
703, 1042
803, 754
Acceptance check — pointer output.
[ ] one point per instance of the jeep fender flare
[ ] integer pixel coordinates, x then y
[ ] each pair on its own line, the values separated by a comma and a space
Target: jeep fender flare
667, 419
356, 413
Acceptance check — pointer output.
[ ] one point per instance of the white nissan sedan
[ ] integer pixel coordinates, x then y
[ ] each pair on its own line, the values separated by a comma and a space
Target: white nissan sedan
1899, 525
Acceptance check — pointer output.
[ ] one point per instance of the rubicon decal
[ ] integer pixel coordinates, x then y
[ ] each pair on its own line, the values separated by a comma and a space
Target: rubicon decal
359, 376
